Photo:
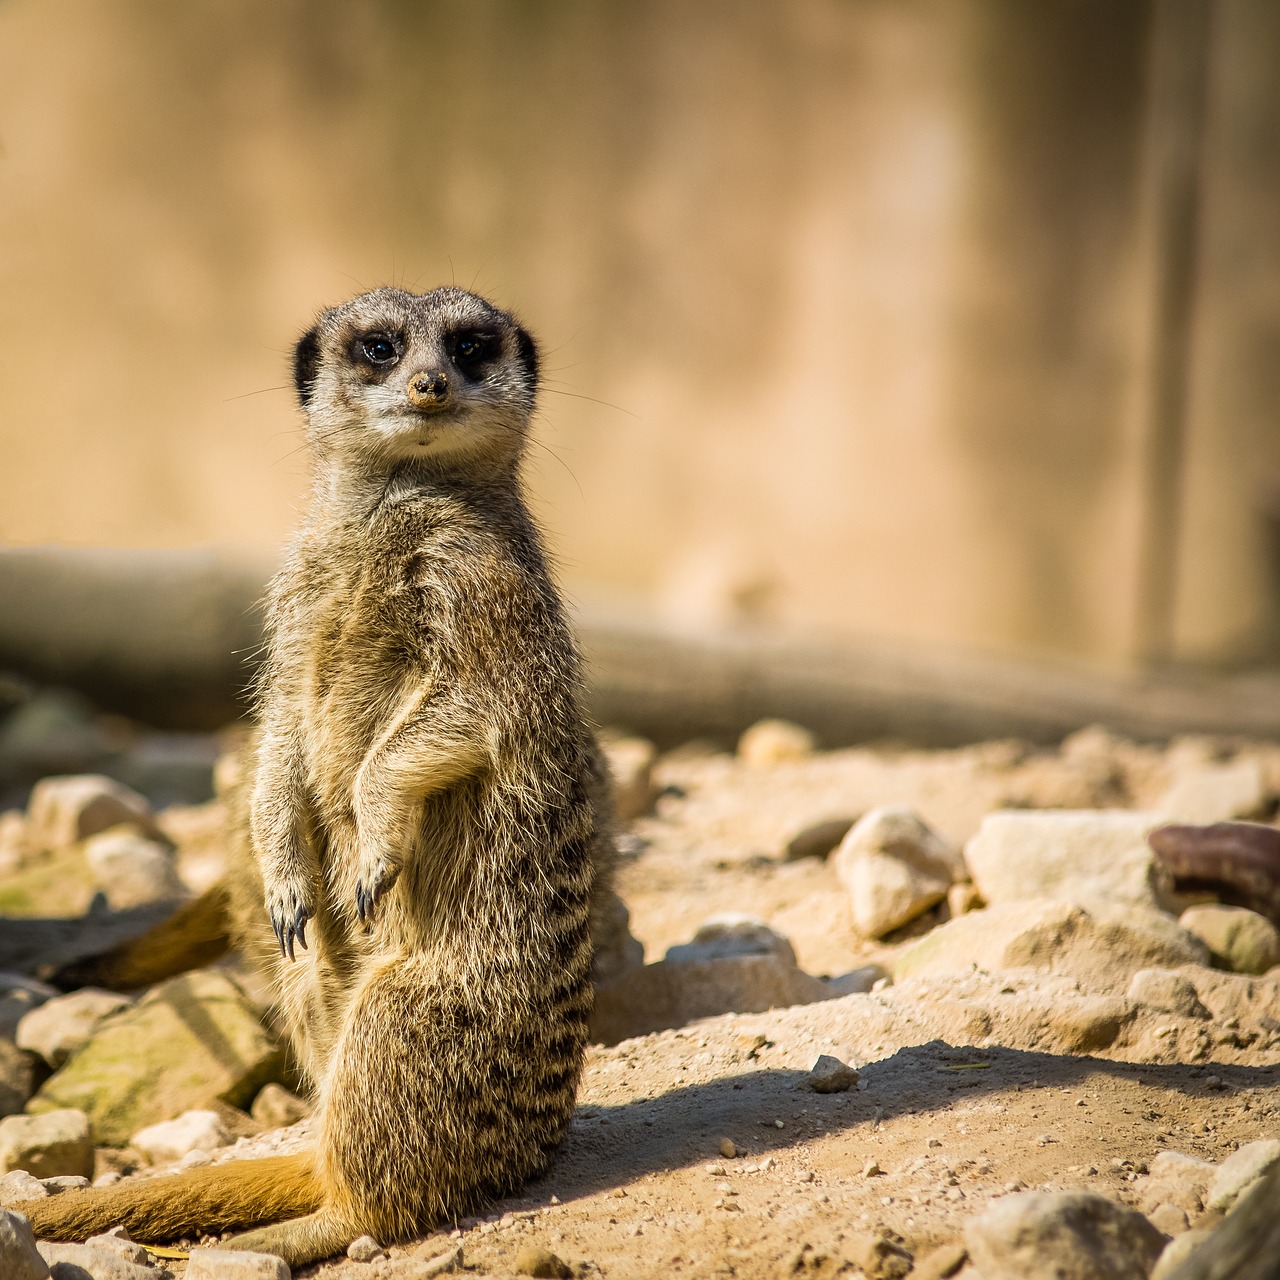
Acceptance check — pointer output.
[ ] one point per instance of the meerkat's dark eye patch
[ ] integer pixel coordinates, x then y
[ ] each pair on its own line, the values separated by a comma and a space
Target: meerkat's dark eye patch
306, 364
377, 348
473, 348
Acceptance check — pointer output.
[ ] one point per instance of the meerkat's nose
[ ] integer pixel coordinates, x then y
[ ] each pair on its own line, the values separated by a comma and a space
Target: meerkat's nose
428, 389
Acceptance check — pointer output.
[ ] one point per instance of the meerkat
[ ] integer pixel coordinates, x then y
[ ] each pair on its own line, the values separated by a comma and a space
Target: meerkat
427, 802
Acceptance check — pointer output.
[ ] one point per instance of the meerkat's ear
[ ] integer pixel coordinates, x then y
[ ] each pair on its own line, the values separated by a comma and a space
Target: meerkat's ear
306, 364
528, 350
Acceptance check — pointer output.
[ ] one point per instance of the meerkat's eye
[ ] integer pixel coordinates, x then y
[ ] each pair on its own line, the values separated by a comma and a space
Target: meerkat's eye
378, 348
472, 348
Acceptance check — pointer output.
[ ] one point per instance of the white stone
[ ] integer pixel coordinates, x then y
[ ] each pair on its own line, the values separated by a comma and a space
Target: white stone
1085, 856
78, 1260
830, 1075
365, 1249
235, 1264
117, 1241
132, 870
73, 807
733, 934
1240, 1170
1208, 793
894, 868
1062, 1235
19, 1257
172, 1139
60, 1026
47, 1145
19, 1185
770, 742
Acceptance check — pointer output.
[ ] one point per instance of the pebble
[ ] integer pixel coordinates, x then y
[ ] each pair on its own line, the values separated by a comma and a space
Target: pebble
117, 1241
235, 1264
941, 1262
1038, 1235
439, 1264
727, 1148
47, 1145
365, 1249
66, 1182
879, 1256
1169, 1219
830, 1075
533, 1260
76, 1261
894, 868
1238, 939
276, 1107
132, 870
60, 1026
1240, 1170
18, 1186
19, 1257
770, 742
66, 809
172, 1139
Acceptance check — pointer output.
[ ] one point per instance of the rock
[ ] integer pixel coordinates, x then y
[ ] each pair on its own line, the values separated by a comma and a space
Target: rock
14, 1006
727, 1148
770, 742
894, 869
1177, 1251
1238, 861
617, 952
818, 840
64, 810
235, 1264
276, 1107
1061, 1235
858, 981
64, 1182
963, 897
117, 1241
19, 1185
365, 1249
78, 1261
877, 1255
48, 1145
1168, 991
1238, 939
19, 1257
438, 1265
733, 934
631, 763
172, 1139
1206, 793
940, 1263
1240, 1170
17, 1079
533, 1260
1055, 936
15, 848
672, 993
187, 1044
60, 1026
1174, 1179
133, 871
1087, 857
830, 1075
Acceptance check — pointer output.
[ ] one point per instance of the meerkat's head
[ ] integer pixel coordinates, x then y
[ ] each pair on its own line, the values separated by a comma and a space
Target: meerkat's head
444, 377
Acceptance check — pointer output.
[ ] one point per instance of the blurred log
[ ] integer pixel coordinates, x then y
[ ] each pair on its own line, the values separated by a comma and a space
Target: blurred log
170, 637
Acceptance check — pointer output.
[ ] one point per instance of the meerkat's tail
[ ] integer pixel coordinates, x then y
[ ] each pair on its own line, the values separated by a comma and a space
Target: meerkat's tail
243, 1193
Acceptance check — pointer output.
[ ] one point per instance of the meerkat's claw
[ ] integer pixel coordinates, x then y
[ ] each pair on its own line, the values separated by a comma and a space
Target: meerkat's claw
371, 889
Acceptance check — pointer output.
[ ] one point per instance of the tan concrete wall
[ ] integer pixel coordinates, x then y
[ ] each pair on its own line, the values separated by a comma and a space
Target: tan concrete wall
845, 305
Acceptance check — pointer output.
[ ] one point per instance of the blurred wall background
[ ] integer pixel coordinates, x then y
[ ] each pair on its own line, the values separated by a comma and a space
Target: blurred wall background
944, 322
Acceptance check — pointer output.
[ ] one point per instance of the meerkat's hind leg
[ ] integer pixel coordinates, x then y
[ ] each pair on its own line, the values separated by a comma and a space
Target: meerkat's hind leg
299, 1240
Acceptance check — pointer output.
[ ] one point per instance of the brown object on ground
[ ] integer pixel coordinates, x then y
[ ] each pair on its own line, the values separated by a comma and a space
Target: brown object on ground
196, 935
1246, 1246
1240, 861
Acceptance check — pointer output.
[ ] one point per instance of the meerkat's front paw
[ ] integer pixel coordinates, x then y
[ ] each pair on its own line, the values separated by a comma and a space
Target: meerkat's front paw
290, 907
375, 882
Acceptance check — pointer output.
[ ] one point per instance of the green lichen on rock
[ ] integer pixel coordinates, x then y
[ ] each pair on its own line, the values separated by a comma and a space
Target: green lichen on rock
186, 1044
